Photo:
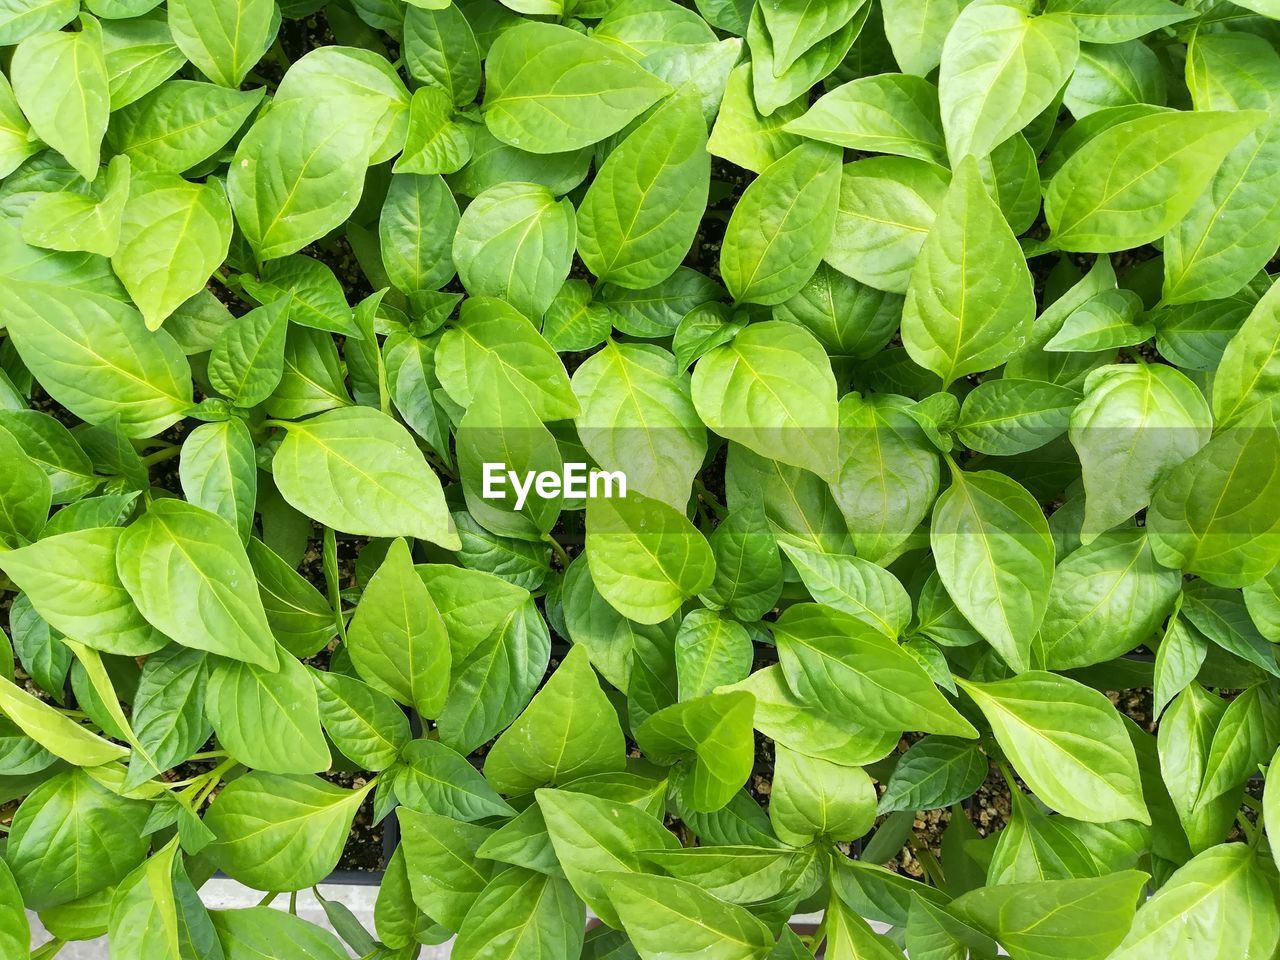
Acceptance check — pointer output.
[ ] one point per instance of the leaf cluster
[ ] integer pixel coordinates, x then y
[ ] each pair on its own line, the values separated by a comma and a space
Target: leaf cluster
938, 349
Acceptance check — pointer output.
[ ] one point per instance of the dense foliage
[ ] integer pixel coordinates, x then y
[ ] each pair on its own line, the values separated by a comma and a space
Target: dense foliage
935, 343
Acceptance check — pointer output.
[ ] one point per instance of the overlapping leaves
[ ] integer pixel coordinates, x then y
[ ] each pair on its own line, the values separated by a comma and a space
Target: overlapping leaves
933, 343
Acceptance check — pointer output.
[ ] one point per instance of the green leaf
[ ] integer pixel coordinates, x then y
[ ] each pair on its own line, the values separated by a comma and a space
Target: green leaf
188, 573
224, 42
300, 617
1057, 919
60, 82
247, 360
365, 725
889, 113
815, 799
267, 720
1182, 919
812, 730
854, 586
549, 89
435, 142
491, 335
995, 557
1099, 21
1249, 371
87, 221
742, 135
256, 933
280, 833
173, 235
933, 774
497, 678
641, 212
445, 875
646, 559
886, 209
889, 475
218, 472
1107, 598
71, 580
358, 470
515, 242
434, 779
850, 936
440, 48
71, 838
715, 731
781, 226
15, 930
838, 663
1067, 742
54, 731
970, 301
521, 913
50, 445
748, 578
1010, 416
415, 230
593, 836
710, 652
1109, 195
638, 416
916, 32
397, 640
1217, 247
771, 389
179, 124
168, 716
668, 918
89, 349
501, 432
298, 173
569, 730
1000, 68
1136, 423
1214, 514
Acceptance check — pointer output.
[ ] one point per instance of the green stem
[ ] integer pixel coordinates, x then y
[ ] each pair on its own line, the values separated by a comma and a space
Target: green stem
331, 580
206, 783
439, 465
160, 456
1251, 833
930, 864
710, 499
558, 550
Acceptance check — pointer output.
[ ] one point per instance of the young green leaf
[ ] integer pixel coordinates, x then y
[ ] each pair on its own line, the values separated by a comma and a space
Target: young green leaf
638, 218
1067, 742
397, 640
1111, 196
358, 470
969, 301
995, 557
569, 730
781, 226
549, 89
